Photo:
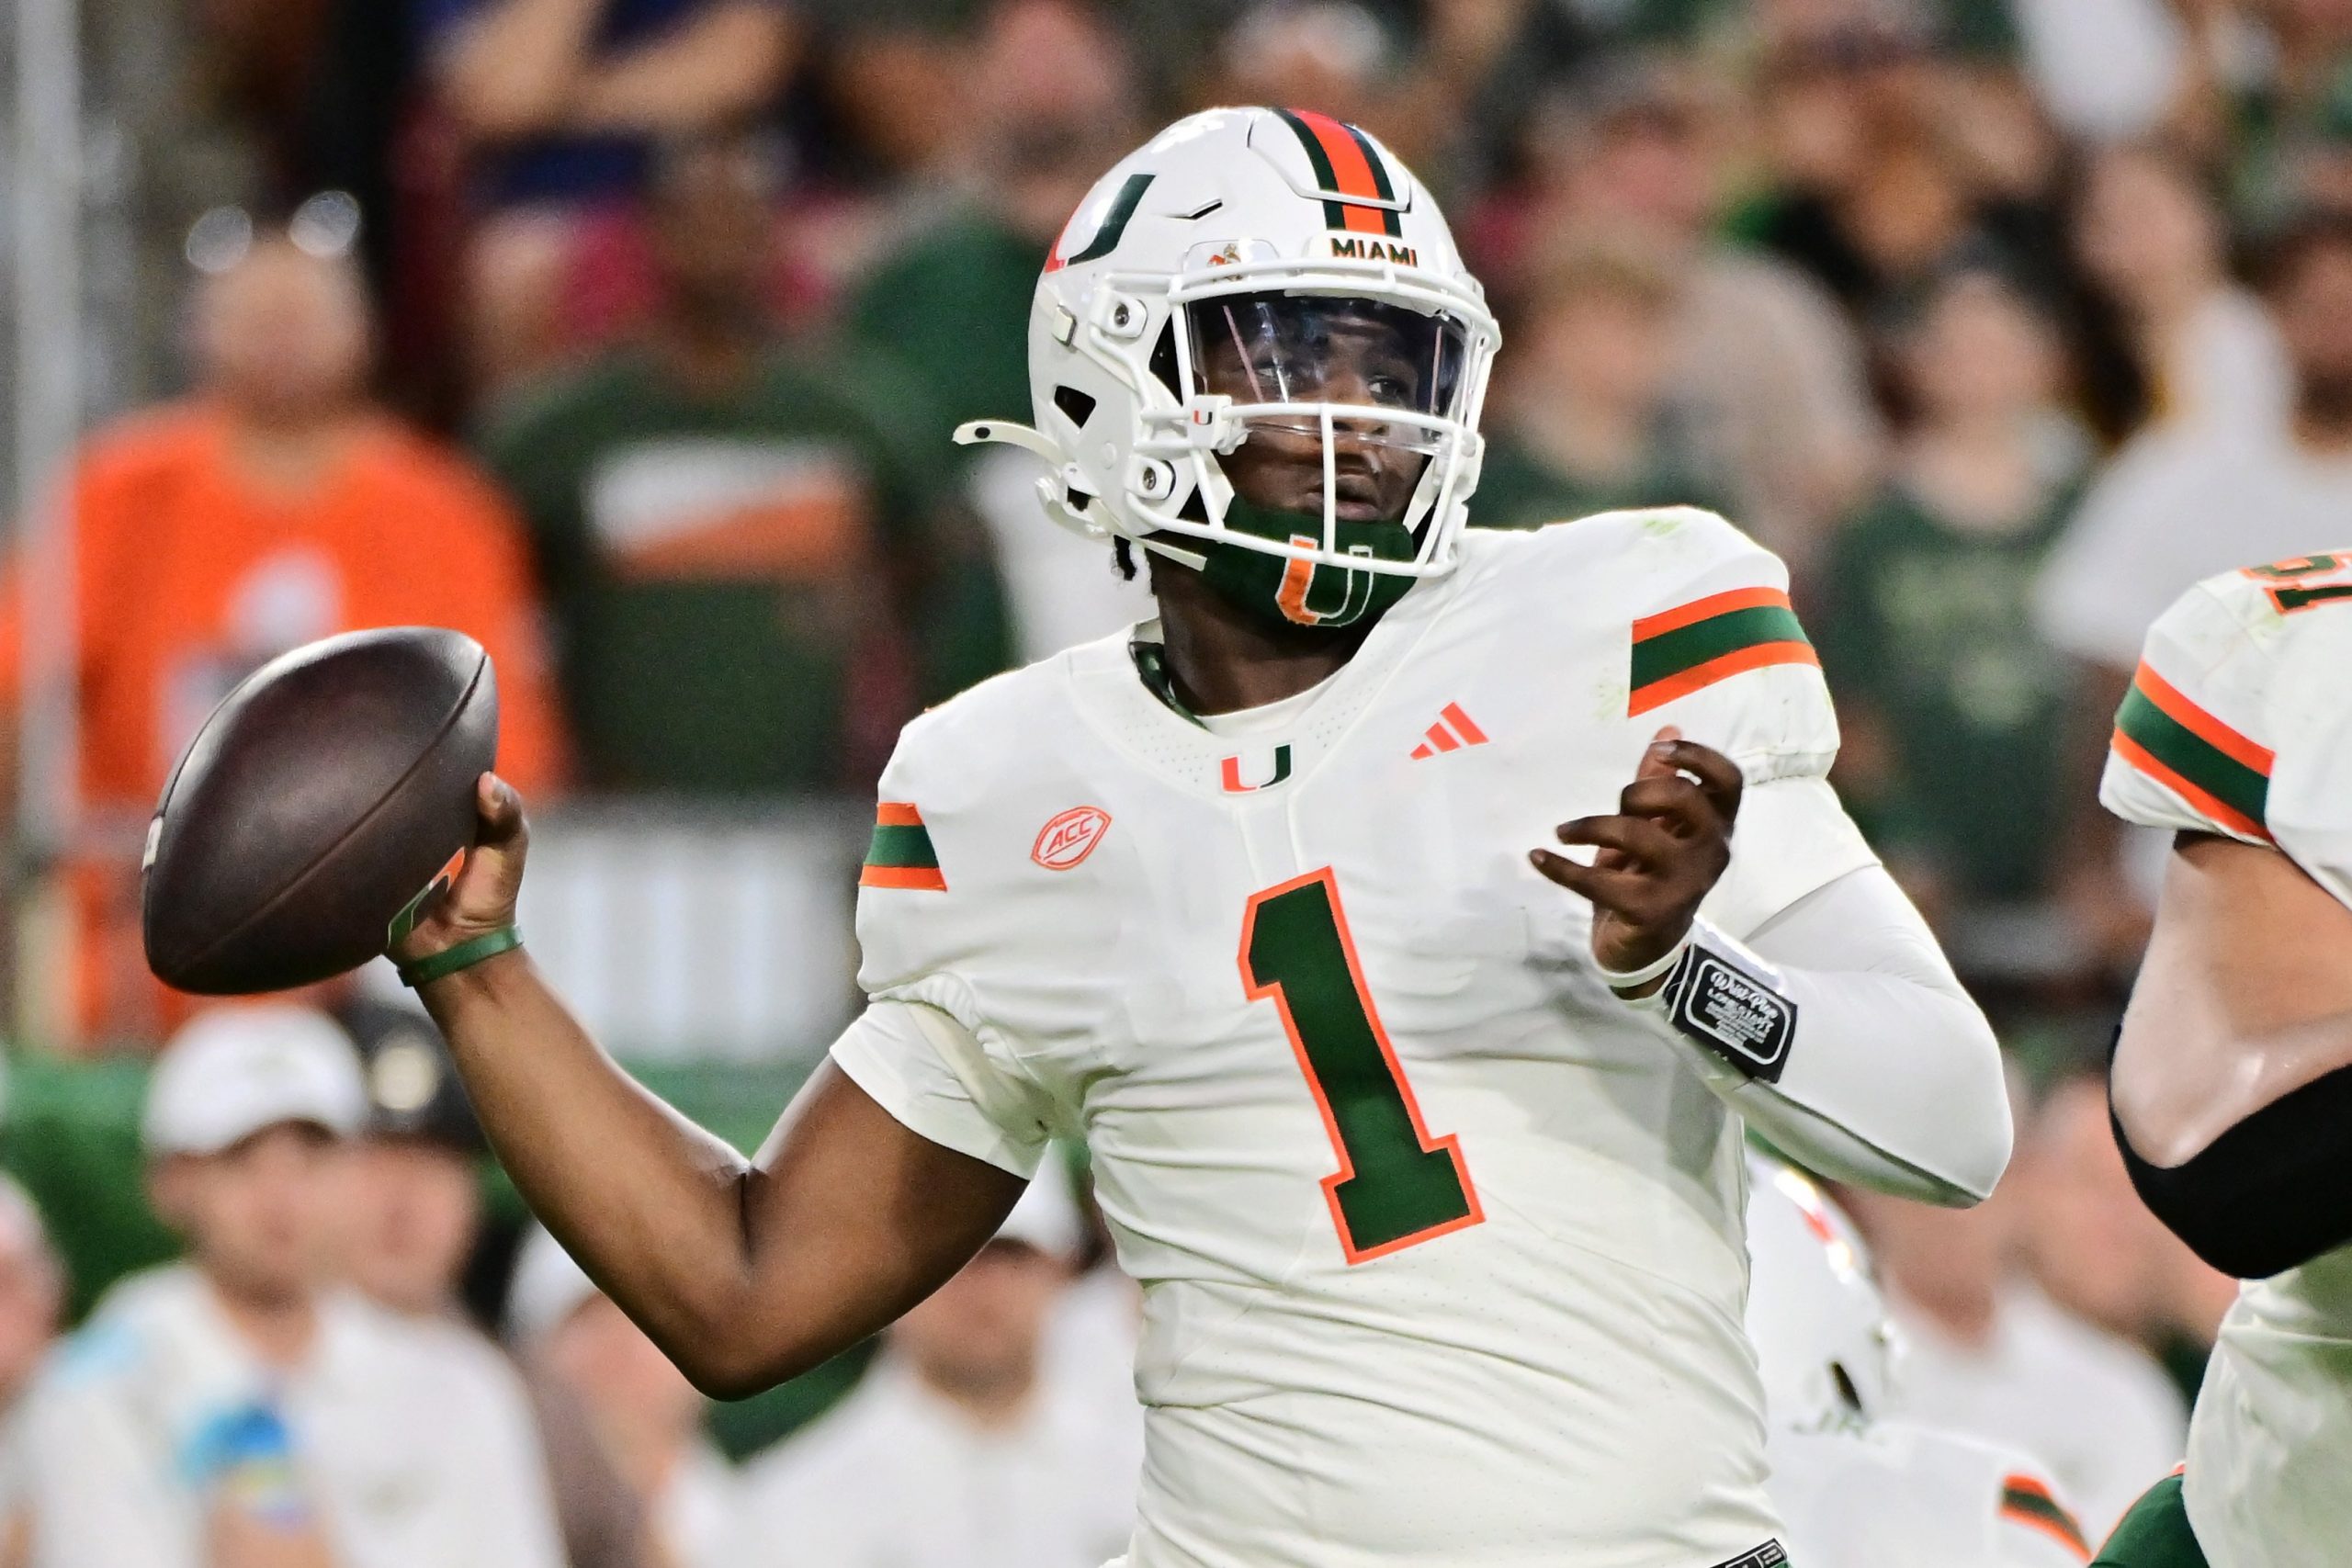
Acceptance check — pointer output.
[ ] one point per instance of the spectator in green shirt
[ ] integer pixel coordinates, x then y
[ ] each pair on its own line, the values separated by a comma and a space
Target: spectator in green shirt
1053, 102
754, 575
1953, 707
1581, 423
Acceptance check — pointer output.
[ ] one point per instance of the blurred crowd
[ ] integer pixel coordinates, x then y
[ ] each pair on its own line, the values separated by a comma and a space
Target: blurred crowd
626, 335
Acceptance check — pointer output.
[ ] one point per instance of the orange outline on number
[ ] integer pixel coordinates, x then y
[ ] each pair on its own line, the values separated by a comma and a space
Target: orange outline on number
1451, 1143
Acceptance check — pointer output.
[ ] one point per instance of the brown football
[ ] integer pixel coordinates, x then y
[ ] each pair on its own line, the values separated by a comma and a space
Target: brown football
327, 793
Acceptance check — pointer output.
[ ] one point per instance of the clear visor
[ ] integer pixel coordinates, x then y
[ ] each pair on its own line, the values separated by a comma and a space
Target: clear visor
1266, 350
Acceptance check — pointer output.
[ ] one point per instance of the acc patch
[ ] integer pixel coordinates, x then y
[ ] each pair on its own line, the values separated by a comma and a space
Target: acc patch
1070, 837
1741, 1017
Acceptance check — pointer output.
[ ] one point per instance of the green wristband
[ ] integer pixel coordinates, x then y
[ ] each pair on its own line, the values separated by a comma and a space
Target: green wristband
465, 955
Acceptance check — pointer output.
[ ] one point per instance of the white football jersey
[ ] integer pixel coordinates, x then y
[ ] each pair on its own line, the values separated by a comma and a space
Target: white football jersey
1440, 1245
2239, 722
1894, 1496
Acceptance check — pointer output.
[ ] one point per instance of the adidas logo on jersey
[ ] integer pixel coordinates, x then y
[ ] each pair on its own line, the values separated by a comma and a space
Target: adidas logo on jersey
1453, 731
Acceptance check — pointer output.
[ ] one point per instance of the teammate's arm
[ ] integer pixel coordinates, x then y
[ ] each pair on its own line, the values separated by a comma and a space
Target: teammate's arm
1892, 1079
2232, 1083
745, 1272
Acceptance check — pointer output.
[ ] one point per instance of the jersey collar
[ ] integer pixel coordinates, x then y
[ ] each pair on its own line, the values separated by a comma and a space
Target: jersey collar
1122, 689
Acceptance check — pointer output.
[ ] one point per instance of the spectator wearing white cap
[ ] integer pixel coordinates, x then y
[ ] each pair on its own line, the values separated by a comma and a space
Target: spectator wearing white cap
646, 1416
234, 1410
411, 1228
969, 1444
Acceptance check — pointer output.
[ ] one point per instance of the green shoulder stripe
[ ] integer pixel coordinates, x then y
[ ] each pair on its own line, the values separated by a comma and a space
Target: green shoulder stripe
1678, 651
900, 854
2159, 732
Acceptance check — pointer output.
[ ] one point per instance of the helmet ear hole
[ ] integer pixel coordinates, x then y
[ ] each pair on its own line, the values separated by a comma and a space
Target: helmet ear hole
1163, 359
1077, 406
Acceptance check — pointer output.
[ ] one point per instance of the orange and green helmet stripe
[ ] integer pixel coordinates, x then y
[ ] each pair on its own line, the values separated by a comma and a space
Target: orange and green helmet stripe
1680, 650
1346, 164
2221, 772
901, 854
2027, 1502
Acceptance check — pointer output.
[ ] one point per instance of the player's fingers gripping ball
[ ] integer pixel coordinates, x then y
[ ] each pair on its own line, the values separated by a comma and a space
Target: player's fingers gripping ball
481, 898
1656, 857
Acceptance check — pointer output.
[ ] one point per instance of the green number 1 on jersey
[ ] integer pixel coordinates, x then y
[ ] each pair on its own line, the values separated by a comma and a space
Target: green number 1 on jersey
1396, 1184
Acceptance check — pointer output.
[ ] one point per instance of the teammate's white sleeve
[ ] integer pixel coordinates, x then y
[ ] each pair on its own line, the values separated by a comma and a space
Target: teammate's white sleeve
98, 1489
942, 1079
1894, 1080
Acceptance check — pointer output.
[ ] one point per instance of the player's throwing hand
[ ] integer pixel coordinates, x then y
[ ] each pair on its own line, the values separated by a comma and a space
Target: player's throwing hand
482, 899
1658, 855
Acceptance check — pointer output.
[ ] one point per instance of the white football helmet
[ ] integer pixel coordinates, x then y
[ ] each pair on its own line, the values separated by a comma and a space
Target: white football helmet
1822, 1339
1225, 279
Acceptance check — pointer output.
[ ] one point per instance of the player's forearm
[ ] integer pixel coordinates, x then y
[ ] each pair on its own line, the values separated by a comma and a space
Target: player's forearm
650, 1204
1895, 1085
1892, 1079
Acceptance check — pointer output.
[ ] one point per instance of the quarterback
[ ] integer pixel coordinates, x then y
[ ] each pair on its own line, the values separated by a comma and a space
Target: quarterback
2232, 1082
1423, 1140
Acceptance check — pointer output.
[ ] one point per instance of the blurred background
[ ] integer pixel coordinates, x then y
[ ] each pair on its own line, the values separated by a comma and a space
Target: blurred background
627, 335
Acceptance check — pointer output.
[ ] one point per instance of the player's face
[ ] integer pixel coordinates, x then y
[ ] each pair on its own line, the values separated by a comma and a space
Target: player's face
1274, 349
258, 1214
409, 1222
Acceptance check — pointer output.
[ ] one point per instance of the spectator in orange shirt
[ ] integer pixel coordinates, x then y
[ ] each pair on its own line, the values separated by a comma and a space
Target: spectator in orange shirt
274, 506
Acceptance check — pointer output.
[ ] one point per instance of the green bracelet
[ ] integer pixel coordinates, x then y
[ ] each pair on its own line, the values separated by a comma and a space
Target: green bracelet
465, 955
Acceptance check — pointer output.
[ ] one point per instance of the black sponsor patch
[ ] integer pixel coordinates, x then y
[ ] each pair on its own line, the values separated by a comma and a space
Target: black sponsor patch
1768, 1555
1739, 1016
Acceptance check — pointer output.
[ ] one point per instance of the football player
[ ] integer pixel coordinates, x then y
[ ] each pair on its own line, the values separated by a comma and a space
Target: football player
1858, 1487
1422, 1140
2231, 1082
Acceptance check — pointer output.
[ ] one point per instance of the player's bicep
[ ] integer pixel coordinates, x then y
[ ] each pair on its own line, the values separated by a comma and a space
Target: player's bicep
849, 1217
2245, 995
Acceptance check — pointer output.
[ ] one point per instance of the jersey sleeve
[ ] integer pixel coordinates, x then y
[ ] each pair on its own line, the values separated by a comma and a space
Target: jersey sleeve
2190, 750
925, 1048
2238, 722
1714, 649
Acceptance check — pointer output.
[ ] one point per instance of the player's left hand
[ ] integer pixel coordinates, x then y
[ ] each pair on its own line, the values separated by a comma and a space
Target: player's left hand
1658, 856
